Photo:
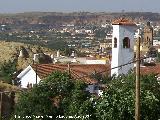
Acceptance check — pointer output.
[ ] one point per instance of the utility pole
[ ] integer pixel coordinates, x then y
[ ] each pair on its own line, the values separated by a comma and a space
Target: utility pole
1, 94
137, 103
36, 72
69, 69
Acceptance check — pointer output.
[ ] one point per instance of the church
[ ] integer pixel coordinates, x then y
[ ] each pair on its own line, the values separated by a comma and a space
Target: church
147, 37
122, 46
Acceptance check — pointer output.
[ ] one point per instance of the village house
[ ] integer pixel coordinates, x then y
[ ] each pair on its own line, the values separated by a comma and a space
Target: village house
33, 74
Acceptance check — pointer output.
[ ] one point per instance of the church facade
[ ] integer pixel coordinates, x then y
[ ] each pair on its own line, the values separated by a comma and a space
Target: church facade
147, 37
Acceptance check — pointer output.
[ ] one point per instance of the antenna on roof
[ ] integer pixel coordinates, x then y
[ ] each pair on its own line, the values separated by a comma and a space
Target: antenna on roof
123, 11
123, 14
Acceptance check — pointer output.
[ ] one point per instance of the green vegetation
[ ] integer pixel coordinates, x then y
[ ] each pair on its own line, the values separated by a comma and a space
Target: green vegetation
117, 102
7, 87
7, 70
101, 33
59, 95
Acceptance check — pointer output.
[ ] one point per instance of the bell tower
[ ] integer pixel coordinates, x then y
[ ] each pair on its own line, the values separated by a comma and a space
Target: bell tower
148, 35
122, 46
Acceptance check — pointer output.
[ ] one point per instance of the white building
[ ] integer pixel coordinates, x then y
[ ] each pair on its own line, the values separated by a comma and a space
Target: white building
156, 42
89, 31
104, 46
96, 62
28, 77
122, 46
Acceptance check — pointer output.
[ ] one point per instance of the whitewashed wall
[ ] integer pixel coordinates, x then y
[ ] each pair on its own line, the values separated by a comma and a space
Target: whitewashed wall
28, 75
122, 55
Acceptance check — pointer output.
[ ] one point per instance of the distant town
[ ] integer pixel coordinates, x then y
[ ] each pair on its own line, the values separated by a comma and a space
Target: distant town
44, 54
85, 32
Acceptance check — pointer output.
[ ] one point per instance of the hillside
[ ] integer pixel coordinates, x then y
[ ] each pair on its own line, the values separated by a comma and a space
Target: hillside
55, 18
11, 51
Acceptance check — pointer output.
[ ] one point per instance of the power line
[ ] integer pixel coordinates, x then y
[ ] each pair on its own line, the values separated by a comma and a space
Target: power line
72, 71
120, 66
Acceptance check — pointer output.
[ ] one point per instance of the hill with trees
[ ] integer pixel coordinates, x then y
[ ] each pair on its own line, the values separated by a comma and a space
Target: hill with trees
56, 18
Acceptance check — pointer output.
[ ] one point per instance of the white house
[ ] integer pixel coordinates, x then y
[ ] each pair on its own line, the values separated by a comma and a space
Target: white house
96, 62
28, 77
156, 42
122, 46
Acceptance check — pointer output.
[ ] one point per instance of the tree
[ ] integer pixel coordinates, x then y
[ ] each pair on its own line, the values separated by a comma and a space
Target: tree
117, 102
57, 95
100, 33
7, 70
80, 103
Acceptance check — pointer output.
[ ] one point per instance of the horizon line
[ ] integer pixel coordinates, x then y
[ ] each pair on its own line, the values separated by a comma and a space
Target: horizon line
78, 12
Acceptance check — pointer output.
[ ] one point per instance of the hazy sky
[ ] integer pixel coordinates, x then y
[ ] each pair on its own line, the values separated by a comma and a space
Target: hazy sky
14, 6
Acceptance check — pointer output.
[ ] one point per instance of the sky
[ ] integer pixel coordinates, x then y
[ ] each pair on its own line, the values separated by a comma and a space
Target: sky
20, 6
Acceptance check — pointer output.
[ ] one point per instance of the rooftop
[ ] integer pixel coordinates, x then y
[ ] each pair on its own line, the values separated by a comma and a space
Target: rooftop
155, 69
84, 72
78, 71
123, 21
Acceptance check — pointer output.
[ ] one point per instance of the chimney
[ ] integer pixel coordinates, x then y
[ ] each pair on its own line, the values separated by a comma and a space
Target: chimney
21, 53
35, 57
58, 53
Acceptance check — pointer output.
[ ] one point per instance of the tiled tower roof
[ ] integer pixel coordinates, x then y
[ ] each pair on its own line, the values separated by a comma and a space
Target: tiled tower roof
123, 21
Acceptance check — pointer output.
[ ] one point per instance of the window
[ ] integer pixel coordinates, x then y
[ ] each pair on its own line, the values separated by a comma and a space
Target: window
147, 41
126, 42
96, 87
115, 42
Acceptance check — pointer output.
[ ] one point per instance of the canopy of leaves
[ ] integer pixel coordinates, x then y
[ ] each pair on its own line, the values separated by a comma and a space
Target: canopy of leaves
57, 95
101, 33
118, 101
7, 70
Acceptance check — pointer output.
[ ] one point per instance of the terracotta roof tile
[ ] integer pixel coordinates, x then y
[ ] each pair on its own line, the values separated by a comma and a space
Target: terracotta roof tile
123, 21
82, 71
155, 69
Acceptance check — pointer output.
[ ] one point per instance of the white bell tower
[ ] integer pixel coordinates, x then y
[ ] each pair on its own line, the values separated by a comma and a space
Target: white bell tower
122, 46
